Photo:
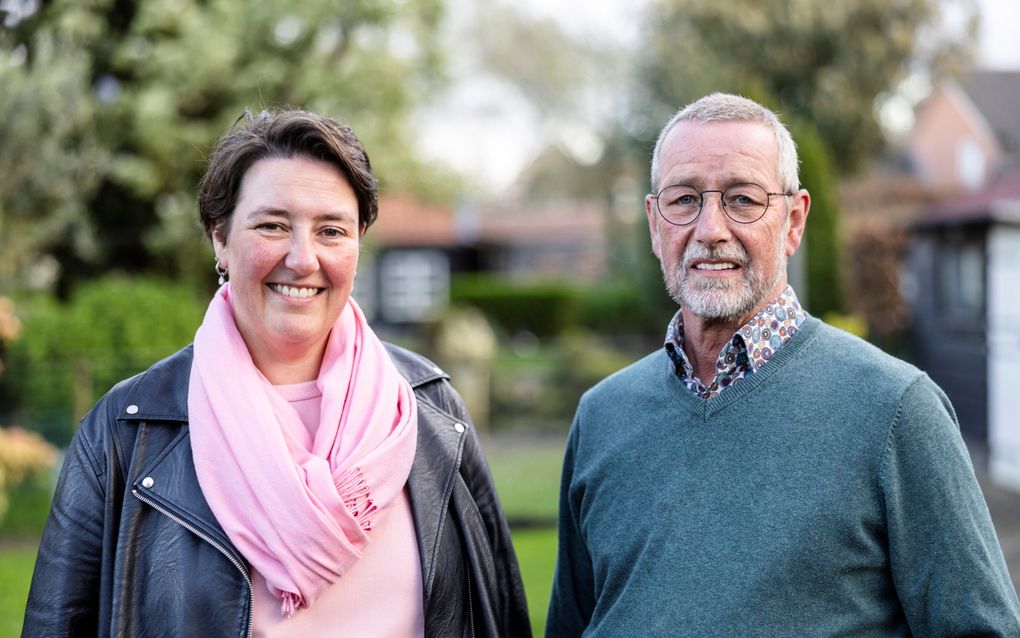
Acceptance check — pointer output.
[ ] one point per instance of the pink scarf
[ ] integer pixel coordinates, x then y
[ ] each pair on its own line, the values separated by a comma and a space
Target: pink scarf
299, 508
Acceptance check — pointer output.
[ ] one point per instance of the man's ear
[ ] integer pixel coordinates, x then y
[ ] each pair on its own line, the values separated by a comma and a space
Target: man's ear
653, 224
800, 206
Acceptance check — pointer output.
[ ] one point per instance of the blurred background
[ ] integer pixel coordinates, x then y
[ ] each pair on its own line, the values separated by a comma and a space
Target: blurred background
512, 142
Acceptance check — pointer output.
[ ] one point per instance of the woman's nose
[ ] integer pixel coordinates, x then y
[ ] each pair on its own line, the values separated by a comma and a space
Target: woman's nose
302, 258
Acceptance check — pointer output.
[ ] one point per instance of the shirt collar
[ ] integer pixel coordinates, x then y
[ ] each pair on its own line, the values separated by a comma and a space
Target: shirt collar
762, 335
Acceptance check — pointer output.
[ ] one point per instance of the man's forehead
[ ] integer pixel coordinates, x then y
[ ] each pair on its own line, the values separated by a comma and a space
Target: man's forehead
686, 133
693, 147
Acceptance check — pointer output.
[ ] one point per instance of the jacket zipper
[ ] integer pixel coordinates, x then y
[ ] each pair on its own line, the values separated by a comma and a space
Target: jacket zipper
471, 604
223, 550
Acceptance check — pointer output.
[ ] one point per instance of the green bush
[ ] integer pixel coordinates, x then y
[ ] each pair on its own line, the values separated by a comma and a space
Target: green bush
543, 308
538, 390
821, 237
69, 354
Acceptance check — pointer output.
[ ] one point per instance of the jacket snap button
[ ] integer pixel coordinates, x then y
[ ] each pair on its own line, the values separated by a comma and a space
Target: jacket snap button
147, 482
459, 427
132, 409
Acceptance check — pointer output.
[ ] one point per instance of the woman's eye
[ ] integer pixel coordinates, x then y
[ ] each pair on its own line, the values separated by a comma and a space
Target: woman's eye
333, 233
269, 226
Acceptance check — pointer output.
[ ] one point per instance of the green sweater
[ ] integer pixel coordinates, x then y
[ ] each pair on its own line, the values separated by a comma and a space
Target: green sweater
828, 494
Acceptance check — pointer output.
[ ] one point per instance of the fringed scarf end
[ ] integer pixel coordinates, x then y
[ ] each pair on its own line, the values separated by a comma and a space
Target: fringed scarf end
290, 604
356, 496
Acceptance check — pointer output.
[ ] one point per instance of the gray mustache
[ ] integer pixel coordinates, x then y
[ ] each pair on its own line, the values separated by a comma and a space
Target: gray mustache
733, 253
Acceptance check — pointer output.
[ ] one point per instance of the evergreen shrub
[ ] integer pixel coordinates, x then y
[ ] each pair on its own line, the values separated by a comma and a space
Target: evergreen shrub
544, 308
69, 354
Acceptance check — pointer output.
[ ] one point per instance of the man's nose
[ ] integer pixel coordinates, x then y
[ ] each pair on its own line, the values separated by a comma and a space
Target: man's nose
712, 225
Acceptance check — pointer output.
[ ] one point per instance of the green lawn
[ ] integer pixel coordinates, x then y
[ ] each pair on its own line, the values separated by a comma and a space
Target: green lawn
527, 474
536, 552
16, 562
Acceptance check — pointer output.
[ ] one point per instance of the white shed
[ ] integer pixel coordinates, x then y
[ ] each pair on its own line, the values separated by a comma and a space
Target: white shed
965, 262
1004, 344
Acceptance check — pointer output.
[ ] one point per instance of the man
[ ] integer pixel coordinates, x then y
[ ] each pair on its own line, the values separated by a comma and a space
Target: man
764, 474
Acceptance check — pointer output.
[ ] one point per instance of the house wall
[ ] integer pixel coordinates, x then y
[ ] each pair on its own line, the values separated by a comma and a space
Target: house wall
1004, 355
949, 336
951, 146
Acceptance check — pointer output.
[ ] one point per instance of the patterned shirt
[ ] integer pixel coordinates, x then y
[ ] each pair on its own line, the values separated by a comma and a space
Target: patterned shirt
749, 349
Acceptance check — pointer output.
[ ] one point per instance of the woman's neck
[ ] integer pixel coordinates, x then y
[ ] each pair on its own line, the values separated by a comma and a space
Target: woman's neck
287, 366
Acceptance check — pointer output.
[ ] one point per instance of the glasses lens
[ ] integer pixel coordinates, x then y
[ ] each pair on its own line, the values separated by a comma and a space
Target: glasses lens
745, 202
679, 204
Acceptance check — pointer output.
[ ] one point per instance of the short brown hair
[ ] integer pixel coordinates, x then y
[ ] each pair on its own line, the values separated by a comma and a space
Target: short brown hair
283, 134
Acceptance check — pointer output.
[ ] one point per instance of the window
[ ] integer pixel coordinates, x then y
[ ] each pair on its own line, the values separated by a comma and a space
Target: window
414, 285
960, 281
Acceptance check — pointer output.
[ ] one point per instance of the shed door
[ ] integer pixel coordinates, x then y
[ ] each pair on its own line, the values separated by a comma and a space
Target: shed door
1004, 354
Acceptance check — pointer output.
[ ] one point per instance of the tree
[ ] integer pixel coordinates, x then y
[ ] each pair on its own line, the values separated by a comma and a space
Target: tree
824, 62
152, 84
824, 66
48, 167
821, 238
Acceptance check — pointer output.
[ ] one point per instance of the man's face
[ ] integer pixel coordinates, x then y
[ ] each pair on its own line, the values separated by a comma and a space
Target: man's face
715, 268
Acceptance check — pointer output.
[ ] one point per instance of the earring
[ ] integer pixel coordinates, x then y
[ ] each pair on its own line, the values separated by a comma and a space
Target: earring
222, 272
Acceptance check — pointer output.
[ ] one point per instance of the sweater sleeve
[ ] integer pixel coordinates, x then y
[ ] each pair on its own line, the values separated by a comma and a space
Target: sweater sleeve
573, 592
946, 563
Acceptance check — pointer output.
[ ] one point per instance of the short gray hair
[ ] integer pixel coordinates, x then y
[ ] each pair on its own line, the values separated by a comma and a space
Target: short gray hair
724, 107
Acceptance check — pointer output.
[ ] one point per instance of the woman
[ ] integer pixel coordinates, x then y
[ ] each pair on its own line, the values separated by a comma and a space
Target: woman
288, 474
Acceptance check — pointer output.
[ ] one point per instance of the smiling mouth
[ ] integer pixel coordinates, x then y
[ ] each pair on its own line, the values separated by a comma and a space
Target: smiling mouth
296, 292
716, 266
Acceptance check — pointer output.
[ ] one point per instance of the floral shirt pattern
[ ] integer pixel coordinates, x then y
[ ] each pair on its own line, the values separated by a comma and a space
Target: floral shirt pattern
751, 347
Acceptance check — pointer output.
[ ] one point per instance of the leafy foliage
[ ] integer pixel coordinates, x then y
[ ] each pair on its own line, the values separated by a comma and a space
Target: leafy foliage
822, 237
70, 353
543, 308
117, 102
824, 62
25, 458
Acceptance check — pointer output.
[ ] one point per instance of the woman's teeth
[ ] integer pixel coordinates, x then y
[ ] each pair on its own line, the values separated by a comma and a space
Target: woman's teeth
293, 291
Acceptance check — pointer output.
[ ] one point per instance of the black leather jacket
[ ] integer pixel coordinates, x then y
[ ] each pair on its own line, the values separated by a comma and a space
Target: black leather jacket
131, 547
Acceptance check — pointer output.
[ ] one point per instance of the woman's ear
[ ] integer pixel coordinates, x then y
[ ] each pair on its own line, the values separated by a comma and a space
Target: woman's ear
219, 246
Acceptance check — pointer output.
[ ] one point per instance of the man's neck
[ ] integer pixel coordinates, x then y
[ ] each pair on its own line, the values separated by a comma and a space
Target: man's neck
704, 339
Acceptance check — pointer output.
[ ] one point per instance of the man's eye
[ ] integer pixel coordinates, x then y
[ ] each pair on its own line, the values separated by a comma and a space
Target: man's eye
687, 200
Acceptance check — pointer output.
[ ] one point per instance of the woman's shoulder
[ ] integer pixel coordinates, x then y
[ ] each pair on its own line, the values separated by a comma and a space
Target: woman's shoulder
158, 393
418, 370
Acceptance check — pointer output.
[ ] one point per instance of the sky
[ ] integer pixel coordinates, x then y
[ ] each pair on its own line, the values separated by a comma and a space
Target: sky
484, 129
999, 46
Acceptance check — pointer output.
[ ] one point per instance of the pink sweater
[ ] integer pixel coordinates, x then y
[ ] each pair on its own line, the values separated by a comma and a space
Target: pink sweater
380, 596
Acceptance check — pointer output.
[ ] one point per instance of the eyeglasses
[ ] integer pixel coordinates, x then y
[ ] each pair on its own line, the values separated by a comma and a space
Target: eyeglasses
743, 203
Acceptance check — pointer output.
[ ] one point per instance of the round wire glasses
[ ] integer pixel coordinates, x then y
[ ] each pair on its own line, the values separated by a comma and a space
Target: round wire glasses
743, 203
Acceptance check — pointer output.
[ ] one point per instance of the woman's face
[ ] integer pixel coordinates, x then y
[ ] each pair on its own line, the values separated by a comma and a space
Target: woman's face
291, 248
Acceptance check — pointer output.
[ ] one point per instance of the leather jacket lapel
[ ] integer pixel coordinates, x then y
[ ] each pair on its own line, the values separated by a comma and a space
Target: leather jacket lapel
169, 481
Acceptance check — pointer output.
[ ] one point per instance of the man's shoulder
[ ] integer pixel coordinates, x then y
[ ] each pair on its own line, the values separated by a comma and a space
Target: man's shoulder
638, 376
836, 362
845, 350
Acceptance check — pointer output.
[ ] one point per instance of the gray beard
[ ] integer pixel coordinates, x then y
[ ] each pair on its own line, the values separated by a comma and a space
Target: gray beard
718, 300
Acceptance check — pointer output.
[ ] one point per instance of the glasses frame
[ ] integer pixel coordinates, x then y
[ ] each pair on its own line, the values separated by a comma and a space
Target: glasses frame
722, 202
